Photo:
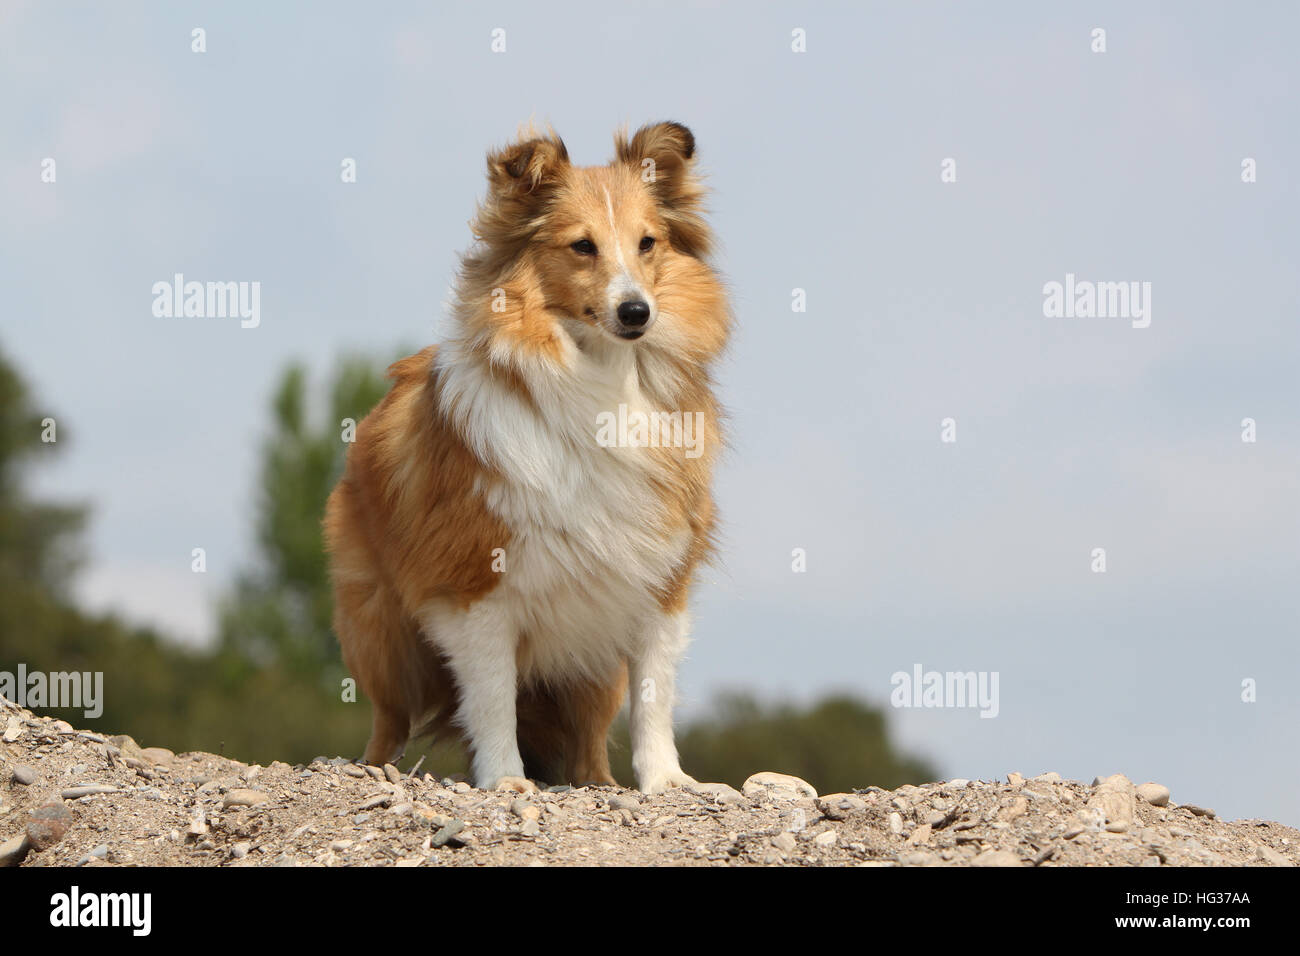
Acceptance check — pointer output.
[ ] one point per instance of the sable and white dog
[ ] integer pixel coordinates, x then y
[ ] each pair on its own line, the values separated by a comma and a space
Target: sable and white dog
498, 571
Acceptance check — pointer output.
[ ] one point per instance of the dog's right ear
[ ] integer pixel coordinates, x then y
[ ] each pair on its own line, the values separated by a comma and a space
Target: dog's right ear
526, 168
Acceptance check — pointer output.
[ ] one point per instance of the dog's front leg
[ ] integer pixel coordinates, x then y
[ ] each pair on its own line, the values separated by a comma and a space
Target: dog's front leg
652, 671
479, 645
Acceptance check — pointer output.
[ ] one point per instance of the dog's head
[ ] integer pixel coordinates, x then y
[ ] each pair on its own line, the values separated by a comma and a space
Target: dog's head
607, 246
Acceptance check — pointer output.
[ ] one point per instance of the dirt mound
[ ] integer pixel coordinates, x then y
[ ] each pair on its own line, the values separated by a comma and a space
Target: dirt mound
70, 797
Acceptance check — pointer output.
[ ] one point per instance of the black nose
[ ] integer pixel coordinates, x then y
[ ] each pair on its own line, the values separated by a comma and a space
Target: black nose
634, 313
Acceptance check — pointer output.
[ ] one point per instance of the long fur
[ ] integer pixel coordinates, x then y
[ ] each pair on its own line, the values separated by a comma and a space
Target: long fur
497, 571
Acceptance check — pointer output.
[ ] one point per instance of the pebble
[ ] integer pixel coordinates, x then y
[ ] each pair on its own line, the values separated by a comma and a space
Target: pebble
352, 770
935, 818
98, 853
240, 849
243, 798
447, 835
338, 846
531, 828
13, 730
826, 838
1154, 794
48, 824
778, 786
1015, 779
996, 858
392, 773
1199, 811
158, 755
13, 852
24, 775
1271, 856
895, 823
921, 834
784, 842
1116, 798
958, 783
624, 801
717, 792
1050, 777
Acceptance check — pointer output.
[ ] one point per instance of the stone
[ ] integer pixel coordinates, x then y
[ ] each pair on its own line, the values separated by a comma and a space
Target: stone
1153, 793
1050, 777
1015, 779
1115, 798
448, 834
24, 775
921, 834
778, 787
13, 852
88, 790
240, 849
48, 824
784, 842
826, 838
13, 729
158, 755
1271, 856
996, 858
624, 801
392, 773
895, 823
243, 798
531, 828
717, 793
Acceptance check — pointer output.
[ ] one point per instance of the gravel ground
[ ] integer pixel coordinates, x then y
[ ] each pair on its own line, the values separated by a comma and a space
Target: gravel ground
76, 798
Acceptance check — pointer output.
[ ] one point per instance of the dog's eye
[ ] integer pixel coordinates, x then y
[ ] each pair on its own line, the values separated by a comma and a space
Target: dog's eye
584, 247
647, 243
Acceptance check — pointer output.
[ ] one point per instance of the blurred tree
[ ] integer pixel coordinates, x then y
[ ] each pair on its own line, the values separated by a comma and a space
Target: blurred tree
280, 609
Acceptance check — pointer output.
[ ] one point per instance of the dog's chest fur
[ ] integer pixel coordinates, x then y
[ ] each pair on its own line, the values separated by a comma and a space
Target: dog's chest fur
591, 544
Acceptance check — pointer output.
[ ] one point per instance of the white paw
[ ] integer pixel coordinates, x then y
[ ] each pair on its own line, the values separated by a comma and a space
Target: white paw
653, 783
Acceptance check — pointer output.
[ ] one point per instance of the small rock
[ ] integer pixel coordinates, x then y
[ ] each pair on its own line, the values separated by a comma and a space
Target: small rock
717, 792
1199, 811
1271, 856
778, 786
531, 828
1017, 808
1115, 798
89, 790
240, 849
13, 852
935, 817
244, 798
784, 842
826, 838
158, 755
1050, 777
98, 853
24, 775
447, 835
352, 770
996, 858
624, 801
13, 729
1015, 779
392, 773
338, 846
48, 824
921, 834
895, 823
958, 783
1154, 794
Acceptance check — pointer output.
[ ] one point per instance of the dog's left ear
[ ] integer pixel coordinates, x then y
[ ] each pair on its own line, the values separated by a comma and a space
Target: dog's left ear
663, 154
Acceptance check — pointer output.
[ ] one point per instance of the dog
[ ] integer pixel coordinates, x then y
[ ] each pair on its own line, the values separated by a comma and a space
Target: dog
504, 567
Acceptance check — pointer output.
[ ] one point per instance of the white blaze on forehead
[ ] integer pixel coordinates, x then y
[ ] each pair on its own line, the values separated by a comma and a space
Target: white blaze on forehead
613, 227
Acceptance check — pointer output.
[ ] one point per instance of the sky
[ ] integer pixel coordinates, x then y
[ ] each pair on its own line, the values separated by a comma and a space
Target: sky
920, 171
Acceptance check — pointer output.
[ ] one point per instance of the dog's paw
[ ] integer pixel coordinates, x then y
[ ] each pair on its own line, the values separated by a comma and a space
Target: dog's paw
659, 782
515, 785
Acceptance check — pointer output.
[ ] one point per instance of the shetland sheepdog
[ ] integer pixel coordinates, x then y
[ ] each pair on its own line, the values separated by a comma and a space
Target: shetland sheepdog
505, 567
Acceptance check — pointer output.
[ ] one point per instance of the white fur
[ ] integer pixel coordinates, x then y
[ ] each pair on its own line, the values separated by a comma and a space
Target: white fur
589, 549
